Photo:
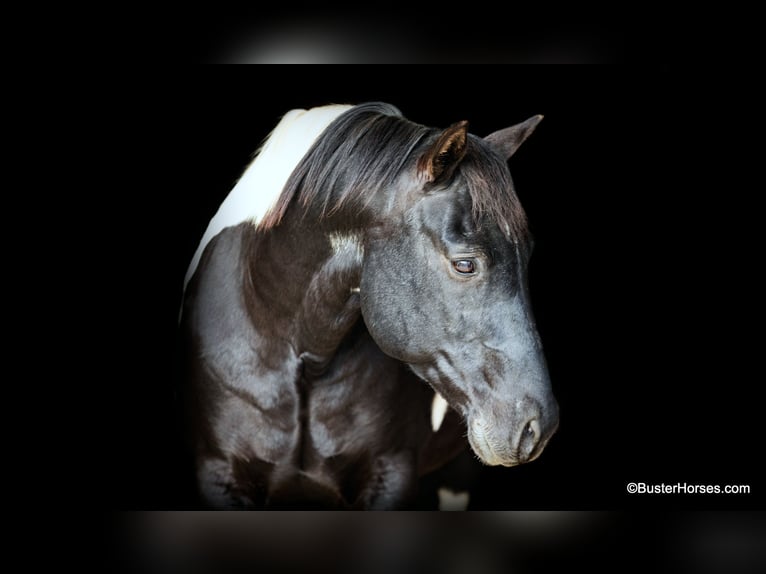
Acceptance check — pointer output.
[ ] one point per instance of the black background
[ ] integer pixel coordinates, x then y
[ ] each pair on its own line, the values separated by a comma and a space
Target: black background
640, 279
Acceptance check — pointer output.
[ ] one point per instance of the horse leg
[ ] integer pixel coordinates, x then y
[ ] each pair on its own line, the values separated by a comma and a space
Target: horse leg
222, 485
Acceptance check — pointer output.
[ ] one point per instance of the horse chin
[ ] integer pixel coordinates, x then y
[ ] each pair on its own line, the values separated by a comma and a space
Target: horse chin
477, 438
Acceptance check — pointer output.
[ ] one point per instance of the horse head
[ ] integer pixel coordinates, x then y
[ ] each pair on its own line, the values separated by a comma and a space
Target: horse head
444, 289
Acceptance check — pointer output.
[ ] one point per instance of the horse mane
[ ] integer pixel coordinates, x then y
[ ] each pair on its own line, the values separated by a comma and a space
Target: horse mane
359, 153
365, 149
261, 184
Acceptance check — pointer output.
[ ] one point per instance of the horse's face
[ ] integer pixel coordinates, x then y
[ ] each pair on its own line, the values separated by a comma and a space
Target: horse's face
450, 299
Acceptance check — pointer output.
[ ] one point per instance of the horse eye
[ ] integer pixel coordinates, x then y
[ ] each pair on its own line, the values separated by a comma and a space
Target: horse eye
464, 266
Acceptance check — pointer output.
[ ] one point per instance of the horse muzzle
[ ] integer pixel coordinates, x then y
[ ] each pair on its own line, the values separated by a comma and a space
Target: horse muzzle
530, 430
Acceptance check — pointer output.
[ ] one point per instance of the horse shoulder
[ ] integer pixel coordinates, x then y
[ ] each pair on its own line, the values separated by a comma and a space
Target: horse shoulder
248, 381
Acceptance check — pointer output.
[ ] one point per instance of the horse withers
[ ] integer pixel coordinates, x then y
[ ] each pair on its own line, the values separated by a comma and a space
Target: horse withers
364, 272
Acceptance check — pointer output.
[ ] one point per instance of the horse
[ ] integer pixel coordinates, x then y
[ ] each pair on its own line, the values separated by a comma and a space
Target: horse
357, 308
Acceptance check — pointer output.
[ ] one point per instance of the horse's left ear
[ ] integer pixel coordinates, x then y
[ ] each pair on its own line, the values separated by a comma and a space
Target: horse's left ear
442, 157
507, 141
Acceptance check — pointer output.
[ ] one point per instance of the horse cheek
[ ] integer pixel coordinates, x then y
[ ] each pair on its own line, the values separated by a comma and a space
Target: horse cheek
387, 307
383, 328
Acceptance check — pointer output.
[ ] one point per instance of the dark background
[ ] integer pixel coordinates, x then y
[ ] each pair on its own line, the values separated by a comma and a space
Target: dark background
640, 279
517, 34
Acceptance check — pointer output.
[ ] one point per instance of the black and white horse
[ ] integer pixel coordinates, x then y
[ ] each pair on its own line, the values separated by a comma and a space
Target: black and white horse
356, 308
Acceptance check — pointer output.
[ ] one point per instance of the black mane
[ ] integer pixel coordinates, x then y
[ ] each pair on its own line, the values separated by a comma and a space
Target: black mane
363, 151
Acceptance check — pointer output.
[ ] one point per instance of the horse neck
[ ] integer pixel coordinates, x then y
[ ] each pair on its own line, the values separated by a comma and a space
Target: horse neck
307, 276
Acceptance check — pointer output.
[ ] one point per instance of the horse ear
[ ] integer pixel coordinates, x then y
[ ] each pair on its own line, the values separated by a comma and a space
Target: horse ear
507, 141
439, 161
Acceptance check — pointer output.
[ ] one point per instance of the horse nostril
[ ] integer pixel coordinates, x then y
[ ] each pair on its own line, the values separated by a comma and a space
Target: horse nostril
530, 436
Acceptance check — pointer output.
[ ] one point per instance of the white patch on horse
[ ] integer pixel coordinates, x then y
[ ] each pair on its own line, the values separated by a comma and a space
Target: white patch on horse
438, 411
451, 500
261, 184
346, 243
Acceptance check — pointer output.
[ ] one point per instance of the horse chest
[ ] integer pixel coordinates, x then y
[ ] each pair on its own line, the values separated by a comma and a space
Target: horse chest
357, 423
344, 420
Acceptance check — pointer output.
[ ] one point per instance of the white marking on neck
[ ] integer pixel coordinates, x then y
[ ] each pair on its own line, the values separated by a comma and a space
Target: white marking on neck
261, 184
438, 411
346, 243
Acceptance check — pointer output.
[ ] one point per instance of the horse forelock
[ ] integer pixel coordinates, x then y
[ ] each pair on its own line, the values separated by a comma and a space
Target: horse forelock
490, 186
